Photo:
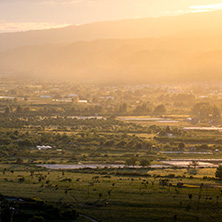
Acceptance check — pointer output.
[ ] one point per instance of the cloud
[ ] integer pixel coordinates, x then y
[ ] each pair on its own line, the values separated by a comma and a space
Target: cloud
64, 2
207, 7
48, 1
25, 26
198, 8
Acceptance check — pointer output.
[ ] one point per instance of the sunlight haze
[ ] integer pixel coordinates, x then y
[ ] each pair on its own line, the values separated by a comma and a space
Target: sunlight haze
22, 15
110, 110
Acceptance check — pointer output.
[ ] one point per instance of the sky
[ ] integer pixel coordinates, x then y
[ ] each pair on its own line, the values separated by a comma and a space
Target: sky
22, 15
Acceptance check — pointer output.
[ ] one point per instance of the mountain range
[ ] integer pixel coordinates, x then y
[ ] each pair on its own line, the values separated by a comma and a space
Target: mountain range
178, 48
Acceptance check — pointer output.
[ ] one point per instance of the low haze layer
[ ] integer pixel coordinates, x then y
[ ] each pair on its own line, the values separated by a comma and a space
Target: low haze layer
17, 15
186, 47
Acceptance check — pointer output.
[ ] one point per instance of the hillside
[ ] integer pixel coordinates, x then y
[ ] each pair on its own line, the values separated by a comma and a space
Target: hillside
120, 61
134, 28
180, 48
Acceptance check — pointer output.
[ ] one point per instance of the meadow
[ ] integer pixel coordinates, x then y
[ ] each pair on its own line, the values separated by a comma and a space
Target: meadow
120, 194
135, 127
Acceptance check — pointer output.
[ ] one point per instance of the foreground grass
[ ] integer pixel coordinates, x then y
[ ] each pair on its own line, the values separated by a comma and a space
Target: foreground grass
109, 197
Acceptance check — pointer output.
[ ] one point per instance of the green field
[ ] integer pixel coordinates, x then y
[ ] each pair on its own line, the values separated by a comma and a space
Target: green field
121, 194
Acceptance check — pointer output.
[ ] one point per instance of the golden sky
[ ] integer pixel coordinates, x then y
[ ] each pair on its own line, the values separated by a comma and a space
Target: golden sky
21, 15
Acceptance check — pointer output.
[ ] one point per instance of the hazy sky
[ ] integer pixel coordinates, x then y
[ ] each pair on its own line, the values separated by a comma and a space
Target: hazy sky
38, 14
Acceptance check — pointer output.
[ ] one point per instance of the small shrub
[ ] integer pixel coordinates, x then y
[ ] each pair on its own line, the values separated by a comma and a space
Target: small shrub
171, 175
37, 219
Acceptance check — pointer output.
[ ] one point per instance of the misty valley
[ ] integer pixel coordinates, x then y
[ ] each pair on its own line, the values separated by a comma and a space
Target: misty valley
113, 120
83, 152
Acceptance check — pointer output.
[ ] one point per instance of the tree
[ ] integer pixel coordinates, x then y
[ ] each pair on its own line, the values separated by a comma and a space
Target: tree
192, 167
123, 108
19, 160
100, 195
19, 109
162, 133
139, 145
190, 196
193, 164
168, 130
142, 109
203, 110
160, 109
219, 172
75, 99
37, 219
216, 112
181, 146
7, 215
7, 110
144, 163
131, 161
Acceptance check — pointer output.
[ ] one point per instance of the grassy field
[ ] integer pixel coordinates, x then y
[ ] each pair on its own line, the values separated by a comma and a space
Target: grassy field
121, 194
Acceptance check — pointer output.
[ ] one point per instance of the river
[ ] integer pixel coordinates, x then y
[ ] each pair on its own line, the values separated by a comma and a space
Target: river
206, 163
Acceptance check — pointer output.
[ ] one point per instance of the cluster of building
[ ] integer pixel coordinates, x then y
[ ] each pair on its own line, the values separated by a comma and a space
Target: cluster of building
43, 147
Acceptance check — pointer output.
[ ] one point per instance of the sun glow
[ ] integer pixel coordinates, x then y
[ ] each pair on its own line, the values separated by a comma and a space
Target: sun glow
25, 26
207, 7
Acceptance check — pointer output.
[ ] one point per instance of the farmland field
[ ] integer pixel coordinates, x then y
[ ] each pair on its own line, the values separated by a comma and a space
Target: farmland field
108, 160
116, 195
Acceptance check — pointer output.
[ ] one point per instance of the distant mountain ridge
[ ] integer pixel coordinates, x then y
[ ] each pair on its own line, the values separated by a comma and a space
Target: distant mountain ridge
119, 61
180, 48
131, 28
